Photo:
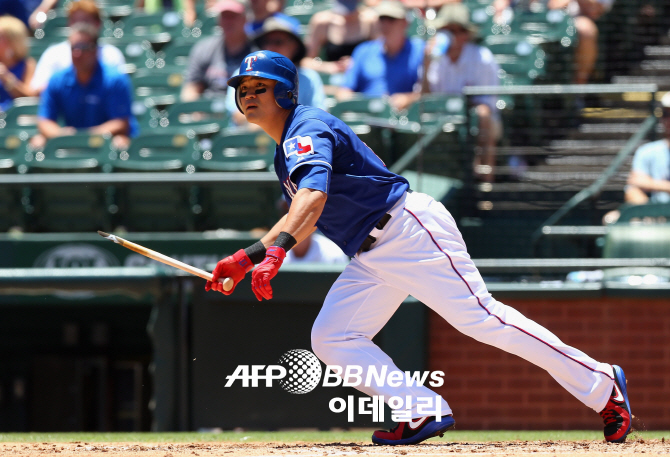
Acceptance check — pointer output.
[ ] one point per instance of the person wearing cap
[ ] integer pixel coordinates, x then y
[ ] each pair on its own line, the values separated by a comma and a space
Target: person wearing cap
283, 37
388, 66
59, 56
213, 60
265, 9
333, 34
464, 63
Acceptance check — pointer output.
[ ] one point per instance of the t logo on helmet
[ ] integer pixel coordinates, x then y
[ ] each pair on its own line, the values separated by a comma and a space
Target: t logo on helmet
249, 60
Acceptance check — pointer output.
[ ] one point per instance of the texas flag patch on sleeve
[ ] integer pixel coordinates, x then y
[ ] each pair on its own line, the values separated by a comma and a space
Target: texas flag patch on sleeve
298, 145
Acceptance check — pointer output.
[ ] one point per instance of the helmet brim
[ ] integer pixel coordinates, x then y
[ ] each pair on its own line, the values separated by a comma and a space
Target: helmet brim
236, 80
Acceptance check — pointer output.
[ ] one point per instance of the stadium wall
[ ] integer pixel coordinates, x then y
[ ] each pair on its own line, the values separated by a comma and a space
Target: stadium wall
489, 389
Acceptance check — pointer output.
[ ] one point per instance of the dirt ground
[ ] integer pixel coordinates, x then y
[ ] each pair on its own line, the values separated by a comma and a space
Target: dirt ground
514, 448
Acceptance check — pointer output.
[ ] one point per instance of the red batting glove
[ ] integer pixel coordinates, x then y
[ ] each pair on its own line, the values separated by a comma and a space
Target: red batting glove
234, 266
265, 271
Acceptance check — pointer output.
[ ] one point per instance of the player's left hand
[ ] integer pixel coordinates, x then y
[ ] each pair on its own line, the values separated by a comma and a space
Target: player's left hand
265, 271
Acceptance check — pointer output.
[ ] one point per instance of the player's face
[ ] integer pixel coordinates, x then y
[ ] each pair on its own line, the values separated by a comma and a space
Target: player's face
256, 97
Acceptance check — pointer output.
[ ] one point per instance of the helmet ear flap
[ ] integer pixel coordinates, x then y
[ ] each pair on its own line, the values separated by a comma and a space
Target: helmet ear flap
284, 96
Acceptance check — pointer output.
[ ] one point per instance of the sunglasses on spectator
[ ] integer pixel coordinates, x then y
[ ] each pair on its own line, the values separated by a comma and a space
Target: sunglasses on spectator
388, 18
83, 47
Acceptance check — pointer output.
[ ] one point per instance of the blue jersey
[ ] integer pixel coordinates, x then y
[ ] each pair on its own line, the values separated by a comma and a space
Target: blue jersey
319, 151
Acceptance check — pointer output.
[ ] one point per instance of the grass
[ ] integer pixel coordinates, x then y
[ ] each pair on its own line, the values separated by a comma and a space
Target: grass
306, 435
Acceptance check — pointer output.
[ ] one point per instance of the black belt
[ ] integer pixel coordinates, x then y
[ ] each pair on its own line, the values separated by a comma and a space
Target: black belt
367, 242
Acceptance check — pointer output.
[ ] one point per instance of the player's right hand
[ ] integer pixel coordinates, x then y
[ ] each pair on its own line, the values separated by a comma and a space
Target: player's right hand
234, 266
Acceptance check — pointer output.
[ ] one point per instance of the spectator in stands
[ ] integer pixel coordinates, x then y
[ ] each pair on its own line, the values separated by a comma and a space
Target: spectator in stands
264, 9
214, 59
465, 64
186, 7
334, 34
388, 66
649, 178
283, 37
58, 57
87, 96
585, 13
38, 11
14, 8
16, 67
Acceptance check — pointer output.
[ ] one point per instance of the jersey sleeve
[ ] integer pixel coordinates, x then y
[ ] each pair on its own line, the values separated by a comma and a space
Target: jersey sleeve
308, 154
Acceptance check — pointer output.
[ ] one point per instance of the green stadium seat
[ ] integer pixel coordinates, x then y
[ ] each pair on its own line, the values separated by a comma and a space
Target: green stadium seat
542, 25
252, 151
162, 86
204, 117
651, 212
431, 108
21, 116
176, 52
444, 110
54, 28
358, 109
624, 240
12, 150
517, 57
157, 152
147, 25
81, 152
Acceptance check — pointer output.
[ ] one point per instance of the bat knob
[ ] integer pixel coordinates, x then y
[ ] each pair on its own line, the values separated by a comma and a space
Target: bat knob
228, 283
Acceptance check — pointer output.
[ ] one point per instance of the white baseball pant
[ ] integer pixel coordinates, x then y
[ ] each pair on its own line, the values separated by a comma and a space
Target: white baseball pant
420, 252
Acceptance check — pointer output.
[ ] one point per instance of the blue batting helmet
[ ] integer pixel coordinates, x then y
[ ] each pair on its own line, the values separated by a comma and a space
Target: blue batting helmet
270, 65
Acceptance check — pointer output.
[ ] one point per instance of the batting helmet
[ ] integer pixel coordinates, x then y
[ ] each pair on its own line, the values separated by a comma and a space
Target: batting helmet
270, 65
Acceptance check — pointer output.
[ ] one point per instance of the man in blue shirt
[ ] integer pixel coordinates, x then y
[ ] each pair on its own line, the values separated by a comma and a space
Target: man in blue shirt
87, 96
402, 243
389, 65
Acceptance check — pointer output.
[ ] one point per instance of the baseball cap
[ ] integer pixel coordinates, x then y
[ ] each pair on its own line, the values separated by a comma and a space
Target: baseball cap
236, 6
390, 8
454, 13
277, 24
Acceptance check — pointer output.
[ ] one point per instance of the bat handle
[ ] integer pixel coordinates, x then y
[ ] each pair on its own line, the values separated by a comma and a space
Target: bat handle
228, 283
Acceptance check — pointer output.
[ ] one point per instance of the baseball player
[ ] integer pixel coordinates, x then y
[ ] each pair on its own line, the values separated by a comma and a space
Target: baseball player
402, 243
